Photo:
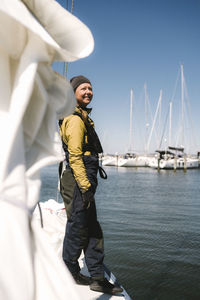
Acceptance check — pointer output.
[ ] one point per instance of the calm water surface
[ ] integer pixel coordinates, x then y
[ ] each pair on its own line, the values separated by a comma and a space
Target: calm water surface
151, 224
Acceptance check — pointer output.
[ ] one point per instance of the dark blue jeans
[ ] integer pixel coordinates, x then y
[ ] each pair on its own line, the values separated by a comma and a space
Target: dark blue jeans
83, 231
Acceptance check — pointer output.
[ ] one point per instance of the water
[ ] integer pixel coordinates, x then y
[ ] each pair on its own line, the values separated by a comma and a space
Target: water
151, 223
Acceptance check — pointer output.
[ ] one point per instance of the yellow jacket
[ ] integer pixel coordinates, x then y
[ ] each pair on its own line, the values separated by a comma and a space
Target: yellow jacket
74, 135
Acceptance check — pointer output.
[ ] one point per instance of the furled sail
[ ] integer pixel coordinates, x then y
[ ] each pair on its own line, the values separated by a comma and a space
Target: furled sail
33, 34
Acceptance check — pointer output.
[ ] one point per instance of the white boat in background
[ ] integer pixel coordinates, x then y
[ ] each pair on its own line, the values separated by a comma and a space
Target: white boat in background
127, 160
173, 160
110, 160
174, 157
133, 160
174, 164
179, 163
130, 159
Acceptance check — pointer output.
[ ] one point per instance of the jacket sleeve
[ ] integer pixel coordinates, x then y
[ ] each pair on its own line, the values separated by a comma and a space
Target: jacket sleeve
74, 131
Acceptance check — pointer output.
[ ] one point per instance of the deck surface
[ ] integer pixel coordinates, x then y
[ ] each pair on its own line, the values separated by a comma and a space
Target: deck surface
54, 220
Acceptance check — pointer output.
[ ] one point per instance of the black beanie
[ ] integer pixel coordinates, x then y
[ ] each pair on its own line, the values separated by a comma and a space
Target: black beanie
77, 80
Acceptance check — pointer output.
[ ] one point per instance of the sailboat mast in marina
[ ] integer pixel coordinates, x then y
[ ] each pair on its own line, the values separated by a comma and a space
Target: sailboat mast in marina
174, 157
131, 123
182, 105
130, 159
146, 118
154, 122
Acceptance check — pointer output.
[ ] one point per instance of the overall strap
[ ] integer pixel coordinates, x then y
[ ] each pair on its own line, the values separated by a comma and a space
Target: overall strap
94, 141
92, 135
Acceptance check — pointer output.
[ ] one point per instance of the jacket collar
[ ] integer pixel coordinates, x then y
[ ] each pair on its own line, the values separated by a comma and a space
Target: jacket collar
83, 110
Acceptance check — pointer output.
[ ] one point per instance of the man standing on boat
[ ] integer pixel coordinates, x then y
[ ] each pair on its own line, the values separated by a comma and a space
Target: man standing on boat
78, 186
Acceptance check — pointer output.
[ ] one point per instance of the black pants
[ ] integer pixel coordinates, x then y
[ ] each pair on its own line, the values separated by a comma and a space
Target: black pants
83, 231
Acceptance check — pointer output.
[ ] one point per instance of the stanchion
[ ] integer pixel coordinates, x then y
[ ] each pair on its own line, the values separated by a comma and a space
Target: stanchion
185, 164
175, 164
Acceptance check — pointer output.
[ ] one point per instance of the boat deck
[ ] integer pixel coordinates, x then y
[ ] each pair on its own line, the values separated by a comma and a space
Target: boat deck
54, 220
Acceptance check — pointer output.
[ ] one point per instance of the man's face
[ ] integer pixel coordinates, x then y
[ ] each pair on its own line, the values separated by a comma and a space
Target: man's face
84, 94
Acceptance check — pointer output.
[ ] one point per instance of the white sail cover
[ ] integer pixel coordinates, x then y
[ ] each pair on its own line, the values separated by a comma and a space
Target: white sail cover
33, 34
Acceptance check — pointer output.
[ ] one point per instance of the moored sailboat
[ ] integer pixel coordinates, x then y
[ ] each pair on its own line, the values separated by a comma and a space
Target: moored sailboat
175, 157
172, 160
131, 159
110, 160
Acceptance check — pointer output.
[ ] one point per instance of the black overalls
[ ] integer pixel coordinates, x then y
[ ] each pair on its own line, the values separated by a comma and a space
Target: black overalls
83, 231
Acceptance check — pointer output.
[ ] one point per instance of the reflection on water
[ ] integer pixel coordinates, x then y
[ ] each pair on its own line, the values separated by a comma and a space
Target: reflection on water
151, 224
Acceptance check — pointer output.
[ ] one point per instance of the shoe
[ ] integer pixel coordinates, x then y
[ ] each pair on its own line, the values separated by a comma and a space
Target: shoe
104, 286
81, 279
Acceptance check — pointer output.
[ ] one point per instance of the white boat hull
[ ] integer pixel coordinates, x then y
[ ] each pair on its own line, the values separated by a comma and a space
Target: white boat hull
179, 163
138, 161
110, 161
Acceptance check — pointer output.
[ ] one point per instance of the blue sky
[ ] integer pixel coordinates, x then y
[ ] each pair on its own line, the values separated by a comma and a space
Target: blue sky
138, 42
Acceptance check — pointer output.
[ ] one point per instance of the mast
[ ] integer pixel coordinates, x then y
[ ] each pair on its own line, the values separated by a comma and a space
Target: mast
182, 106
146, 118
131, 121
159, 119
170, 122
154, 121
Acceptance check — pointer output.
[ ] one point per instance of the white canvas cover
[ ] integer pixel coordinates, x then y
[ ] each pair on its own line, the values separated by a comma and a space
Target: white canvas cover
33, 34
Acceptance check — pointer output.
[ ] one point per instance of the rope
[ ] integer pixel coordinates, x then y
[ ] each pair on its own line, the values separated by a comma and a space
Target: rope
41, 217
72, 7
